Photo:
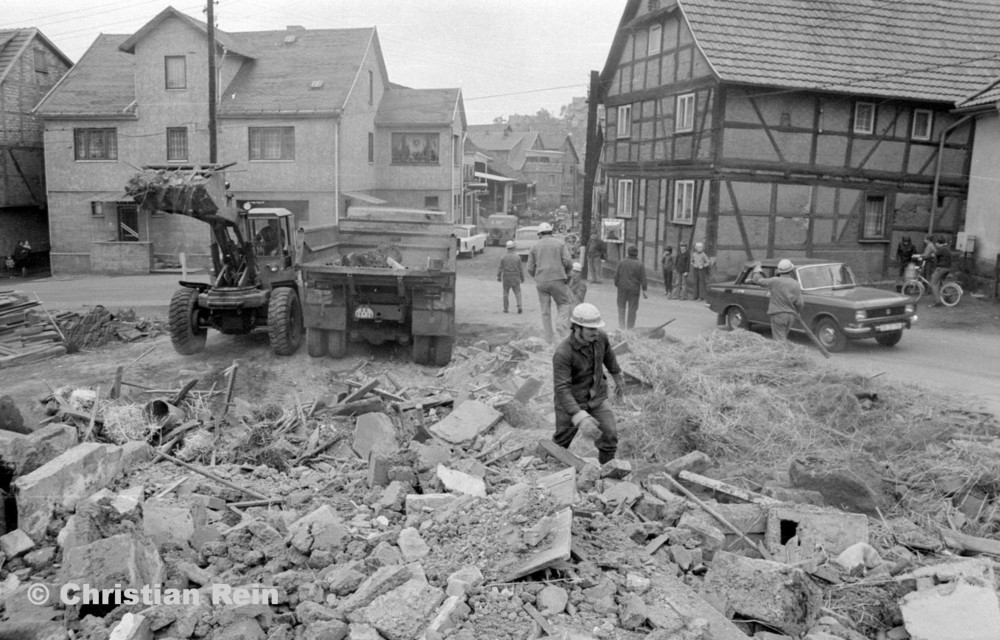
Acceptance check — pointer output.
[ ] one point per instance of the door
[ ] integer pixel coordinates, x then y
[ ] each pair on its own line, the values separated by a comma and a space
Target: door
128, 223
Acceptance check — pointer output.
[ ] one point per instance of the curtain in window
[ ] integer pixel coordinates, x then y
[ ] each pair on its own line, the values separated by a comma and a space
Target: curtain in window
874, 218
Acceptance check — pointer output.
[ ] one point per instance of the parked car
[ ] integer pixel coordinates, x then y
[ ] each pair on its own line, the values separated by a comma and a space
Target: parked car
470, 240
837, 309
500, 228
524, 239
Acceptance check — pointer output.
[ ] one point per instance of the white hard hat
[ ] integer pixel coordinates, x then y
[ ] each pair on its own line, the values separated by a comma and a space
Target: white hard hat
544, 227
510, 244
586, 315
785, 265
698, 246
577, 266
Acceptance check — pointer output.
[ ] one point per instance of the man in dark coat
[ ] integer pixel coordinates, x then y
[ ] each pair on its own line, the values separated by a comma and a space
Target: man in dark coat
630, 279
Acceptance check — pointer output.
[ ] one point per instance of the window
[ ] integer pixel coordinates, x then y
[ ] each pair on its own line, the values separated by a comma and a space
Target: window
683, 212
371, 147
874, 223
922, 121
624, 198
685, 113
41, 61
864, 117
97, 209
415, 148
272, 143
371, 87
177, 144
95, 144
624, 121
430, 202
175, 72
552, 181
655, 39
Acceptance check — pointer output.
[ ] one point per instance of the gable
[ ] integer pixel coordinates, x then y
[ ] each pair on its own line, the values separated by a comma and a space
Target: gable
404, 106
100, 84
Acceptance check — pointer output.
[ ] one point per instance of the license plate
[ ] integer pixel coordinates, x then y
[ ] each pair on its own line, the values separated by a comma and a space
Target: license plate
364, 313
895, 326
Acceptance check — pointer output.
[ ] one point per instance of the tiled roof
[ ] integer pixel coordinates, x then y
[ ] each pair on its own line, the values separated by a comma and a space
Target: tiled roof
101, 83
939, 50
492, 138
401, 105
282, 76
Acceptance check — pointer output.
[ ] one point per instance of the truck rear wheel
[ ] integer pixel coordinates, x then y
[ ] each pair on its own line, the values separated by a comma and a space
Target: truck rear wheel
284, 321
336, 343
316, 342
185, 334
441, 352
422, 349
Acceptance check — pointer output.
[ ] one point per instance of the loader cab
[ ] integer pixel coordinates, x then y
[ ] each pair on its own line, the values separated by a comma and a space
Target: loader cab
271, 232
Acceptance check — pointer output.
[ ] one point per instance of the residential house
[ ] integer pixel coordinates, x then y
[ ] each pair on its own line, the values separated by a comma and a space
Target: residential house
493, 186
981, 240
29, 66
792, 127
309, 116
551, 169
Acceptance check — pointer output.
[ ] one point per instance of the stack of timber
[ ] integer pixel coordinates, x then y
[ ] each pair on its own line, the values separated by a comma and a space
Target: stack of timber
26, 336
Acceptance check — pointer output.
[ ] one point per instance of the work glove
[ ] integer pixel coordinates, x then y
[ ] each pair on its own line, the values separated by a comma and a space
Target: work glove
619, 388
644, 295
590, 428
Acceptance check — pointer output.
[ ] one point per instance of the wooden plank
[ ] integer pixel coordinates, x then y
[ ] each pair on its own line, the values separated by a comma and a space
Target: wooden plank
964, 542
728, 489
558, 529
560, 454
360, 392
426, 402
33, 356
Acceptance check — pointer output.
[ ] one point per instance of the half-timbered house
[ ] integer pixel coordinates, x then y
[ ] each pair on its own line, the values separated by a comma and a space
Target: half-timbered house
820, 128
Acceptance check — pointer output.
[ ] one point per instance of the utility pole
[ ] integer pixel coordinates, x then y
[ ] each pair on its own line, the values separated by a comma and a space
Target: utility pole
213, 151
593, 154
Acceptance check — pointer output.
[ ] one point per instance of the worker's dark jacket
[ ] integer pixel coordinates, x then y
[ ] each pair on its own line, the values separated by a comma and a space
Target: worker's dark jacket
577, 372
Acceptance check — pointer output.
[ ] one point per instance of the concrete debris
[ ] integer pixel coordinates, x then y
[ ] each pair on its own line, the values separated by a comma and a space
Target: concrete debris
467, 421
405, 526
774, 593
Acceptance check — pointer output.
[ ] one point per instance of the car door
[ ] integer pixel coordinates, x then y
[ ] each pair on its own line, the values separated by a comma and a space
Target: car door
756, 298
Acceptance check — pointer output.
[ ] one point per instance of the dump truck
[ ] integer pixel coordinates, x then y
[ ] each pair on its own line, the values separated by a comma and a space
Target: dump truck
254, 283
392, 280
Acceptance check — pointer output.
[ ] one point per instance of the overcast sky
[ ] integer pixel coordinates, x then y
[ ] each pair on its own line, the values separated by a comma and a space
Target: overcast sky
507, 56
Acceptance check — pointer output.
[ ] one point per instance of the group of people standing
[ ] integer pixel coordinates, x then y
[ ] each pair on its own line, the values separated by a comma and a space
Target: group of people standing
934, 262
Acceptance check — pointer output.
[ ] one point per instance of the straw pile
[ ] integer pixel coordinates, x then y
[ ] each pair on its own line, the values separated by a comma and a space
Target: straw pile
755, 406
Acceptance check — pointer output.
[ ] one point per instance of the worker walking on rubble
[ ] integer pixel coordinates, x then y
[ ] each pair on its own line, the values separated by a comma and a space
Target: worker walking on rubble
549, 263
511, 274
785, 299
580, 388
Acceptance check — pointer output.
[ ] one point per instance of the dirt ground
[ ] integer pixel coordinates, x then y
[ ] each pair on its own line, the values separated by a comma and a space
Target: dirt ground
262, 376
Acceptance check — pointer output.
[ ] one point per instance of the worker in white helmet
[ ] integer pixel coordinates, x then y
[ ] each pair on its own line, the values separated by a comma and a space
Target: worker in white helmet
785, 299
511, 274
580, 388
549, 263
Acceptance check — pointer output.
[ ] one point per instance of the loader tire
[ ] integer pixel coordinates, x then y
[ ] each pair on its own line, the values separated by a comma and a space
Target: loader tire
316, 342
284, 321
185, 334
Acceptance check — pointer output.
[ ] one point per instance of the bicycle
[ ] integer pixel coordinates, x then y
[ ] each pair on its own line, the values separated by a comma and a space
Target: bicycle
918, 285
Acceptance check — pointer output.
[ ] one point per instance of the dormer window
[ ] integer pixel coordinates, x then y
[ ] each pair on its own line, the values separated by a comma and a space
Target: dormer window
175, 71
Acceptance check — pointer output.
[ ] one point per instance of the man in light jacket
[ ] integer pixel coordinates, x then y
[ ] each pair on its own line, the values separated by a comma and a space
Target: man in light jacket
549, 264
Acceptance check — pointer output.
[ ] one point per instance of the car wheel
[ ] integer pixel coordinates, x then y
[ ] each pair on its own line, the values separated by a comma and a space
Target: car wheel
890, 339
736, 319
830, 336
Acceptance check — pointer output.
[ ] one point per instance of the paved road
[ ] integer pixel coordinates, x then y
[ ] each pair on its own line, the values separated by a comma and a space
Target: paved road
957, 362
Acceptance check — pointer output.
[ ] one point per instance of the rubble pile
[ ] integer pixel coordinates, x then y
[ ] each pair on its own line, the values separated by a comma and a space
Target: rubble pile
389, 512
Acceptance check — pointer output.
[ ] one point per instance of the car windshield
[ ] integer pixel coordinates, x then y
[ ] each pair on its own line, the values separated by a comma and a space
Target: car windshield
826, 276
527, 234
461, 233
